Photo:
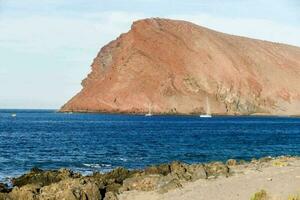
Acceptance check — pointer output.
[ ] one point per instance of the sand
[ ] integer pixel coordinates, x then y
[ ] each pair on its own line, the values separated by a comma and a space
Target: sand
279, 182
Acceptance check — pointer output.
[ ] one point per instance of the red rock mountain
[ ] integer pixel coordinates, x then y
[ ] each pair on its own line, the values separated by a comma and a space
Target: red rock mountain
176, 67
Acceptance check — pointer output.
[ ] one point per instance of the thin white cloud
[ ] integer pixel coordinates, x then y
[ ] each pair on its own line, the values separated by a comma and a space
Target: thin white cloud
44, 33
45, 57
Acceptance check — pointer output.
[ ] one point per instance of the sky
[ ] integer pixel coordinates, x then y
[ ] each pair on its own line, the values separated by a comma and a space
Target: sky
47, 46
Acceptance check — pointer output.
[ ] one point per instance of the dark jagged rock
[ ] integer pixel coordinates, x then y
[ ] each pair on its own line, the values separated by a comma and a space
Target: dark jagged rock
4, 188
43, 178
118, 175
113, 180
27, 192
181, 170
197, 171
142, 183
170, 185
110, 196
163, 169
73, 189
165, 177
216, 169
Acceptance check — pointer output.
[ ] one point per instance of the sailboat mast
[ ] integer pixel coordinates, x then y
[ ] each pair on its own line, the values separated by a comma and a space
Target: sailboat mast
149, 111
207, 107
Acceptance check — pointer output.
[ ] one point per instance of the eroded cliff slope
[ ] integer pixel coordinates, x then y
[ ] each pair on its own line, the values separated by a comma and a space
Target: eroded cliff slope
172, 66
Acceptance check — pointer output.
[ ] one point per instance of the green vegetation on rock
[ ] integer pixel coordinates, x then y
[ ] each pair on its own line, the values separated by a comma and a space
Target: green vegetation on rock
261, 195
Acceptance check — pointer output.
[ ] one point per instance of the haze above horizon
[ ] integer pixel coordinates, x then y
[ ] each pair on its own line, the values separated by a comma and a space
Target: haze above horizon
47, 46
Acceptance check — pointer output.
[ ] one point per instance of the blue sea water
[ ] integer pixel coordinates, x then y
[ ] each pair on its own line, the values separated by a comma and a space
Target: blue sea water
100, 142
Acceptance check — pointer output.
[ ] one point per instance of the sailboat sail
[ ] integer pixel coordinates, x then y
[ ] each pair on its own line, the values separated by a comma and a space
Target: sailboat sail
207, 107
208, 112
149, 114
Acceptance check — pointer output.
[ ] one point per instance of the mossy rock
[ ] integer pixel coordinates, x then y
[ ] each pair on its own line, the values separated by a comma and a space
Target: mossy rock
110, 196
114, 187
231, 162
265, 159
294, 197
216, 169
118, 175
279, 163
43, 178
163, 169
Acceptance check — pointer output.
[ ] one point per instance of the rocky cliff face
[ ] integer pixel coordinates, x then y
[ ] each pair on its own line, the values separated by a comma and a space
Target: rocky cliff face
173, 67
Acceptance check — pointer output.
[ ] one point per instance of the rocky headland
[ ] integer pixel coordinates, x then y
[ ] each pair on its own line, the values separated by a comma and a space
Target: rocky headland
216, 180
176, 67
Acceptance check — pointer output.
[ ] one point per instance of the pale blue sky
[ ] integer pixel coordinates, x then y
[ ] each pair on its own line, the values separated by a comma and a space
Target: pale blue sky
47, 46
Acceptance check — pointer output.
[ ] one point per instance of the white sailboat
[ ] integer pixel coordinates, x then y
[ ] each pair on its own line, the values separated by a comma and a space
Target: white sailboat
14, 115
208, 114
149, 114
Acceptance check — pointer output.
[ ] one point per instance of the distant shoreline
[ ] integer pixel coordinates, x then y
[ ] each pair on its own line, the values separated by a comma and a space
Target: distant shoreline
142, 113
175, 114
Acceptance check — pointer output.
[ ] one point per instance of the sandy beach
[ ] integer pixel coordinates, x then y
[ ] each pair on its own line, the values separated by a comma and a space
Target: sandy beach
280, 179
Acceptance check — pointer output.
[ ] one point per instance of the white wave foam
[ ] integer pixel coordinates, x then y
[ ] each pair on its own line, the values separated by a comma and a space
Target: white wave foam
96, 165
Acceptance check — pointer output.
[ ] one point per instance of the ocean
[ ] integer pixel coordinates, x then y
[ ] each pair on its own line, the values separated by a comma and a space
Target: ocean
100, 142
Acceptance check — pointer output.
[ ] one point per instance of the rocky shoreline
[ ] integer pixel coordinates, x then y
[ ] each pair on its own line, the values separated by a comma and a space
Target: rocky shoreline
143, 113
64, 184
